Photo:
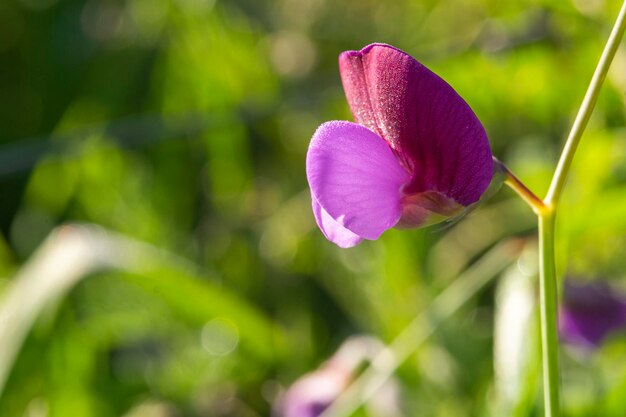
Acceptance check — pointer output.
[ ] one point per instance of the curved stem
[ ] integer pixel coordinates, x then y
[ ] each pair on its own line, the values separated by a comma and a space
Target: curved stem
548, 313
584, 113
520, 188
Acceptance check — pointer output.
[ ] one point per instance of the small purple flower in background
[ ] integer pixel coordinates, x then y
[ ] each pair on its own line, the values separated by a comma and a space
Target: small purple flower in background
417, 156
314, 392
589, 312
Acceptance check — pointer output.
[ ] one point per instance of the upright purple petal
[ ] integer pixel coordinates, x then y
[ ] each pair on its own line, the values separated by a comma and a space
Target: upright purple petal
589, 312
431, 128
356, 179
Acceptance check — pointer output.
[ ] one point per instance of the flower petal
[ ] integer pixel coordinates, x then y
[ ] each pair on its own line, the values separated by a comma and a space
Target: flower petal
333, 231
355, 178
435, 134
310, 395
589, 312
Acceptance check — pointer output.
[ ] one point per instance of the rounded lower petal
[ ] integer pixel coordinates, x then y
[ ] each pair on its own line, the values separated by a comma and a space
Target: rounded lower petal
432, 129
333, 231
356, 180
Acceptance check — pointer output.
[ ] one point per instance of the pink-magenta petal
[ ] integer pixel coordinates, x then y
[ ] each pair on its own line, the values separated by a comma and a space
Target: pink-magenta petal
355, 178
333, 231
435, 134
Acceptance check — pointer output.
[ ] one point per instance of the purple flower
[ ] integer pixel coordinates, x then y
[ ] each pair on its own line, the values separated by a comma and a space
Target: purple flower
313, 393
417, 156
589, 312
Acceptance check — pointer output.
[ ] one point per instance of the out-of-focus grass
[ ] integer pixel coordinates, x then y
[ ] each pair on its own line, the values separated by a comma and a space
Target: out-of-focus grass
184, 124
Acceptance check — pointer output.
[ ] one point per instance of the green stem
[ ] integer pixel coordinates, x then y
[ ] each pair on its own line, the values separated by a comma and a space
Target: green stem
548, 303
584, 113
547, 213
520, 188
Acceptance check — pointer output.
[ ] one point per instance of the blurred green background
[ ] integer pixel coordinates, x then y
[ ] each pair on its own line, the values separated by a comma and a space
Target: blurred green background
184, 124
